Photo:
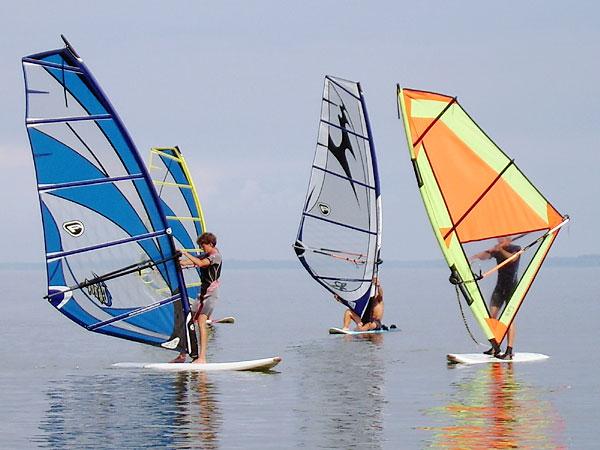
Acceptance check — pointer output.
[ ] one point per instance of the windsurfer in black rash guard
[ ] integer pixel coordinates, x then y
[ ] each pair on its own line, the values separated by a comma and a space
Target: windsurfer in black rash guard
210, 271
505, 286
372, 316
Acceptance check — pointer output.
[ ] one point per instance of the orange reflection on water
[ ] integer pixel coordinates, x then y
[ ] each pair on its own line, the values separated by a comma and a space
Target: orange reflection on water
491, 409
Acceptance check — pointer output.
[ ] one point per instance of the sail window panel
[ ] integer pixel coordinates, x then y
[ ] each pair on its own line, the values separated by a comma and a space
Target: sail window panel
138, 288
343, 258
512, 273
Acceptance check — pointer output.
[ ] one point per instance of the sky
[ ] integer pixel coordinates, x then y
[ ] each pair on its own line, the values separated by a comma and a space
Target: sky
238, 84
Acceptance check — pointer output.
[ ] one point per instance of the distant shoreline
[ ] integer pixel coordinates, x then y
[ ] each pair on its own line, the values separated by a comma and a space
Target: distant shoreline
583, 261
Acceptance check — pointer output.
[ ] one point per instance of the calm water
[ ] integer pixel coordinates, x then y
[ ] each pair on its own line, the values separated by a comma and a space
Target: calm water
58, 389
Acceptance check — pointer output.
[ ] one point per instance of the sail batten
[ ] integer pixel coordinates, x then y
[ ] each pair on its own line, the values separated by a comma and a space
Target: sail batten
100, 213
342, 209
480, 205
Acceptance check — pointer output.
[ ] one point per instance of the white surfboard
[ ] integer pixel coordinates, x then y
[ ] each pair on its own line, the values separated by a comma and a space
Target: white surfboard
334, 330
480, 358
256, 364
223, 320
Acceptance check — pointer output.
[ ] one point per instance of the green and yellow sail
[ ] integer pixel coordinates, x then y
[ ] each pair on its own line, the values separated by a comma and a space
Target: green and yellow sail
180, 203
474, 193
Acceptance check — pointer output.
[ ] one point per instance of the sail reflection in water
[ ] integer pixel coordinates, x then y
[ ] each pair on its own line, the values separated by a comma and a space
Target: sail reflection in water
178, 410
490, 408
347, 408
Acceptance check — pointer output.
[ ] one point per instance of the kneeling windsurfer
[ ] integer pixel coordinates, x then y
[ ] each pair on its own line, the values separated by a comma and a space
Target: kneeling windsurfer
373, 314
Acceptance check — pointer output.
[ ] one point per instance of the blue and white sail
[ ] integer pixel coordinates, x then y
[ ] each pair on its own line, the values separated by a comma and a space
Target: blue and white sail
181, 204
111, 261
339, 238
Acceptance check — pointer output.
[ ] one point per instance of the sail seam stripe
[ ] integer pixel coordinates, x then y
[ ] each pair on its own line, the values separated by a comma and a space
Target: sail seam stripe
339, 223
58, 255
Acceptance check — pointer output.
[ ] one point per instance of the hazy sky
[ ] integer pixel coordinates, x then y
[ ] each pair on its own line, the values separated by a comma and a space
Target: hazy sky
238, 85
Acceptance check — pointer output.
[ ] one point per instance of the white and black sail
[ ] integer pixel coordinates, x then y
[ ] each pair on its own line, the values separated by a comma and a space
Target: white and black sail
339, 237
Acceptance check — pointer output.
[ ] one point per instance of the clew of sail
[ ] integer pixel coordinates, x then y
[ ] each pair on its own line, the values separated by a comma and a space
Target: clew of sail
181, 204
104, 231
477, 200
339, 237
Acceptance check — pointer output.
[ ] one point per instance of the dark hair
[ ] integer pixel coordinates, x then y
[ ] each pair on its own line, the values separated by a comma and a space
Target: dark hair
207, 238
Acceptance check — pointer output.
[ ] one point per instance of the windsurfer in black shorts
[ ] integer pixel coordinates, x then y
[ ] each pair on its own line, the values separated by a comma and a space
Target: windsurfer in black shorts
505, 286
373, 314
209, 263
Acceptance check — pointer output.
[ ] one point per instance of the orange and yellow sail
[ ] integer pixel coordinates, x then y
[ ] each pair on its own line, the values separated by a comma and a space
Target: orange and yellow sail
474, 193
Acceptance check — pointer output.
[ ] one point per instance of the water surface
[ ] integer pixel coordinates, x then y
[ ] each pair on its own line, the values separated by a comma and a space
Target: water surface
58, 389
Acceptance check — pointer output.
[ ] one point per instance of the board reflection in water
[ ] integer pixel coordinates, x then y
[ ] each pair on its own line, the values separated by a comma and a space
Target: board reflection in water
178, 410
342, 387
490, 408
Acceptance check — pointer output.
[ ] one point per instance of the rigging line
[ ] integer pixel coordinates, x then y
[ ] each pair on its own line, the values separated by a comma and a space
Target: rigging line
462, 313
85, 145
439, 116
360, 183
483, 194
523, 250
115, 274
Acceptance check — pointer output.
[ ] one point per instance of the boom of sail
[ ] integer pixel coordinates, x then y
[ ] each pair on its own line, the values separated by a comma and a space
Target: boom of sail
339, 237
111, 262
478, 201
181, 204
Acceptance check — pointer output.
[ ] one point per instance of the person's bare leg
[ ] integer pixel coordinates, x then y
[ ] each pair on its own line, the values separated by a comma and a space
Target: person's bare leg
203, 338
349, 316
367, 326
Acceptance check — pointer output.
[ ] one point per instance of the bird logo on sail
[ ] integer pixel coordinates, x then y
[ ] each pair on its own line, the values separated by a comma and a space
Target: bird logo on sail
339, 151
